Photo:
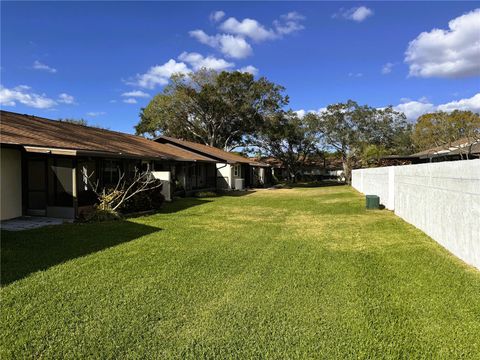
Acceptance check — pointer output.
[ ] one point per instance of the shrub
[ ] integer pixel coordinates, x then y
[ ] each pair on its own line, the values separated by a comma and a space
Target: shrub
140, 192
87, 197
98, 215
144, 201
205, 194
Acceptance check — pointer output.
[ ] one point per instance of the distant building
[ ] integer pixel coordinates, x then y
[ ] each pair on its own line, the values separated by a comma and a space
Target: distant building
462, 149
314, 168
234, 172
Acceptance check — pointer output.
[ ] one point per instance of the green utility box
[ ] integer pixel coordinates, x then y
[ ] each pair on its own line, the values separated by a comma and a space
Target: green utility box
373, 202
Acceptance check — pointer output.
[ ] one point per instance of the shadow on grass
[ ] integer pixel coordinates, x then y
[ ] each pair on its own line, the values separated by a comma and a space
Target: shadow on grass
25, 252
179, 204
236, 193
313, 184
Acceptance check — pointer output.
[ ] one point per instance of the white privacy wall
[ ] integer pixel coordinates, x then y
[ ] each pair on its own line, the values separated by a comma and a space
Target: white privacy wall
376, 181
442, 199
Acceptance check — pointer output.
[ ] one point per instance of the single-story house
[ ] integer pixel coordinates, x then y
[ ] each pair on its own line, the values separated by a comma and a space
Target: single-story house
233, 171
44, 162
462, 149
314, 168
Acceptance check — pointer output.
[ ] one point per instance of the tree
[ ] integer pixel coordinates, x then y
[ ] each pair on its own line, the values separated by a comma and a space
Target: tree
442, 129
288, 138
371, 155
110, 200
216, 109
82, 122
352, 129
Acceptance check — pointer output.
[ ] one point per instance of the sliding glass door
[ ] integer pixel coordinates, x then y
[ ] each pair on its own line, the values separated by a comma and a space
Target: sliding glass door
37, 186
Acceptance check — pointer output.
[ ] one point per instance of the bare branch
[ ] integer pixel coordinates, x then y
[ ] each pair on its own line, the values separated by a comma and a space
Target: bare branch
114, 198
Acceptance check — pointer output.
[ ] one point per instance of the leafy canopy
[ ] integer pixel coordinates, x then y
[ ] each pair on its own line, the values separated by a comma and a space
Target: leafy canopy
288, 138
441, 128
217, 109
355, 131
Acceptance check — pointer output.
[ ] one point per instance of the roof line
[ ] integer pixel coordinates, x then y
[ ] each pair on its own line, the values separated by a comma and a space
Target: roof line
35, 117
184, 144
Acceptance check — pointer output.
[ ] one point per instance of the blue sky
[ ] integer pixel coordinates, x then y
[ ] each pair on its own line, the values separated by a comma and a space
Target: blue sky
103, 61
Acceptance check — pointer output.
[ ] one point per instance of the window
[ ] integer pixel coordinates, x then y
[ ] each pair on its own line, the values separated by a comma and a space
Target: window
60, 182
236, 171
131, 166
111, 171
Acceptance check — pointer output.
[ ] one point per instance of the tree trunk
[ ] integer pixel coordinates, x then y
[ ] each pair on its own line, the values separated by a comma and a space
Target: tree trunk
292, 178
347, 169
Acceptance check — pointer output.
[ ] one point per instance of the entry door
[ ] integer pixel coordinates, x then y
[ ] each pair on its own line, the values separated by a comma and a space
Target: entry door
37, 187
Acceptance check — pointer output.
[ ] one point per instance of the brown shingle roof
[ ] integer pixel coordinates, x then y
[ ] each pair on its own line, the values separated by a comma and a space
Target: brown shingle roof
28, 130
206, 150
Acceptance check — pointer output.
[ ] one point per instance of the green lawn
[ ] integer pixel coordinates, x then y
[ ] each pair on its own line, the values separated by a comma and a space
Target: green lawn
291, 273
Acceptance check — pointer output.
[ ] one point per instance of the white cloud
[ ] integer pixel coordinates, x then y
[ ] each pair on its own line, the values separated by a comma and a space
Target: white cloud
301, 113
230, 45
387, 68
472, 104
249, 69
159, 74
216, 16
360, 14
204, 38
232, 42
96, 113
66, 99
130, 101
136, 94
289, 23
357, 75
37, 65
22, 88
357, 14
198, 61
249, 28
414, 109
235, 47
447, 53
21, 94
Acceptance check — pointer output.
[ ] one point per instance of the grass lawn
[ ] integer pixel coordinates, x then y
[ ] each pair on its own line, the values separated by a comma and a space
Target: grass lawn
291, 273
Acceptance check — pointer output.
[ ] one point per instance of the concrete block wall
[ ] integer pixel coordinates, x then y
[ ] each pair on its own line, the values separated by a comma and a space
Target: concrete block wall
376, 181
442, 199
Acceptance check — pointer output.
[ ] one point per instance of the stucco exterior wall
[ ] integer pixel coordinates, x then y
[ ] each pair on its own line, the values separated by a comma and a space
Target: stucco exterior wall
10, 183
442, 199
376, 181
225, 171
